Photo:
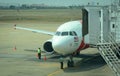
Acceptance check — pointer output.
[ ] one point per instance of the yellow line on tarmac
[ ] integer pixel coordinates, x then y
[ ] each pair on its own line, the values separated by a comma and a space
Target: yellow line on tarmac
54, 73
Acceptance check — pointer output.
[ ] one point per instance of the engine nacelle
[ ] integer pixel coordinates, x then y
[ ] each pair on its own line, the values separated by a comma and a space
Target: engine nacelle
48, 46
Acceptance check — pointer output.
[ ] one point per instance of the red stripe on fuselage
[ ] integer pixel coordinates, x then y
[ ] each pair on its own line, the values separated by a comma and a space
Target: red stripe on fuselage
82, 45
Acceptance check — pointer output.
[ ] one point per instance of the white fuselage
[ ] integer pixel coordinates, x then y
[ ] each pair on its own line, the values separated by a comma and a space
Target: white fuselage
67, 40
68, 37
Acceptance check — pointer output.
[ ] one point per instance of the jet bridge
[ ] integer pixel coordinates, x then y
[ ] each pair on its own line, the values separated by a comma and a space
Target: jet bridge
96, 23
101, 20
101, 28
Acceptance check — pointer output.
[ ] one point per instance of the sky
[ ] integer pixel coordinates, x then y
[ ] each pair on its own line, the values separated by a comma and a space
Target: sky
55, 2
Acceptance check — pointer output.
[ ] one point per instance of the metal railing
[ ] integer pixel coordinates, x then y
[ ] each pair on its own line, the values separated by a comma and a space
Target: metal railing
108, 50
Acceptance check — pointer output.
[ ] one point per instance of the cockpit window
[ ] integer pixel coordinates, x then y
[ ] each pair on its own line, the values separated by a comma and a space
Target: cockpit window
58, 33
64, 33
73, 33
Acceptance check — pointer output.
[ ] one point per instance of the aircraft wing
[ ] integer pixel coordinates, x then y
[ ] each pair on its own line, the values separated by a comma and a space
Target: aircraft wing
35, 31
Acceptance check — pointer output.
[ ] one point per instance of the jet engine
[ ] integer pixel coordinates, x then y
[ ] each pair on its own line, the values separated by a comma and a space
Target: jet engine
48, 46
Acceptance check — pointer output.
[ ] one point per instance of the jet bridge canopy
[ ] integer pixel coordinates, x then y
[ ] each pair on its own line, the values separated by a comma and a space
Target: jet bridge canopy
96, 23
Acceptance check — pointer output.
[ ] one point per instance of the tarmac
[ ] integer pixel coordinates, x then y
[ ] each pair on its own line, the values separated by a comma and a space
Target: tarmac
18, 56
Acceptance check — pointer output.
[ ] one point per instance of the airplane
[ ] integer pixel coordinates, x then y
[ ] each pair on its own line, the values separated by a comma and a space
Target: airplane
67, 40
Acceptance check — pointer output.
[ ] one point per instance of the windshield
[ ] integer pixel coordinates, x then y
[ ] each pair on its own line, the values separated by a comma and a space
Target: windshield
73, 33
58, 33
66, 33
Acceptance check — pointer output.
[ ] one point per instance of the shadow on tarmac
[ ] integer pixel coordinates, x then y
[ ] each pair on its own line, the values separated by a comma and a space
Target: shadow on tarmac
55, 58
87, 64
80, 56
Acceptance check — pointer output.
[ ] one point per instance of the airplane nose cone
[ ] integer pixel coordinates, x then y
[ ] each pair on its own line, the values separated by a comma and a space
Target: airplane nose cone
59, 46
62, 45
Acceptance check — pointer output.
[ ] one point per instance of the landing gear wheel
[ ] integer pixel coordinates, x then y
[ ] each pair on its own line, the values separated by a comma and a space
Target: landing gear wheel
78, 53
70, 62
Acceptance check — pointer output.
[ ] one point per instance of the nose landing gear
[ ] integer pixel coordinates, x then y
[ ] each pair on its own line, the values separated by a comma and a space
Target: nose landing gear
70, 62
